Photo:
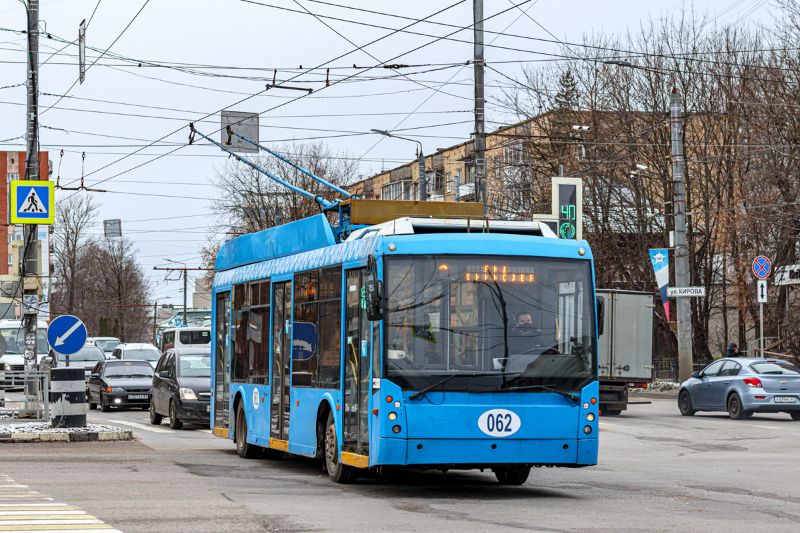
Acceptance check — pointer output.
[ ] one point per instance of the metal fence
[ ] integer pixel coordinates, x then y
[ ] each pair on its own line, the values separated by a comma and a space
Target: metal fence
24, 396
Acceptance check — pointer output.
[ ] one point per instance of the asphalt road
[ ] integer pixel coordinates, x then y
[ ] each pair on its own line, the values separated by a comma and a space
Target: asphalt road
658, 471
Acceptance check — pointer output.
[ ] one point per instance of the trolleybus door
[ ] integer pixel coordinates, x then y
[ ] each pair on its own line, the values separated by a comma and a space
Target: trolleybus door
281, 360
357, 361
222, 370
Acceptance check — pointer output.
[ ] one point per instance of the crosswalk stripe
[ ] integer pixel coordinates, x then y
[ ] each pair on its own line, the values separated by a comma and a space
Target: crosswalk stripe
152, 429
71, 528
45, 515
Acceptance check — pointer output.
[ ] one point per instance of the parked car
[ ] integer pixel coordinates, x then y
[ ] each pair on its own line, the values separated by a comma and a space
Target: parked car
743, 386
182, 388
85, 358
12, 348
189, 337
137, 351
120, 384
107, 344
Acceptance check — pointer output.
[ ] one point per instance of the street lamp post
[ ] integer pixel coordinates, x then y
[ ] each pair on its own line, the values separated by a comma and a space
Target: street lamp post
423, 177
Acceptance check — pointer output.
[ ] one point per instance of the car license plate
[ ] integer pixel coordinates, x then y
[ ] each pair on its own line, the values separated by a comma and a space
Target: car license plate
785, 399
137, 396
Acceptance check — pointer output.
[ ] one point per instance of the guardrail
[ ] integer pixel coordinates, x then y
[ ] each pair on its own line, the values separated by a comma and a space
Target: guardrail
24, 395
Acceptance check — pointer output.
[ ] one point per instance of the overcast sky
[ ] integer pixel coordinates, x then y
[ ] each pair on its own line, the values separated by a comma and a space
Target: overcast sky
108, 117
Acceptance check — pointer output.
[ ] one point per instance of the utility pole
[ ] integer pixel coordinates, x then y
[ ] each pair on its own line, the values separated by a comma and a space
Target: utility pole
423, 177
184, 269
684, 306
155, 323
29, 263
480, 105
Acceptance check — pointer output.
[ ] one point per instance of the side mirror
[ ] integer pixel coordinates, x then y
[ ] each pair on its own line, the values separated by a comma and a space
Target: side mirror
163, 374
601, 315
374, 295
696, 375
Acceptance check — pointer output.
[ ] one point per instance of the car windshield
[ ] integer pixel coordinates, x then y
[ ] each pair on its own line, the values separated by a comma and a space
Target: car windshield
106, 345
127, 369
195, 337
778, 368
12, 340
194, 366
87, 353
509, 322
145, 354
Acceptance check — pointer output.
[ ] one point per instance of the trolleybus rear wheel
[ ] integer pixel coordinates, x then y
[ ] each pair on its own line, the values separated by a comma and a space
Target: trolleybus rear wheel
245, 449
512, 476
336, 470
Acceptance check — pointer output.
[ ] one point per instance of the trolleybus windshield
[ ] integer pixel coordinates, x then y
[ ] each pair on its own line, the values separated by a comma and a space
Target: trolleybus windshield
506, 323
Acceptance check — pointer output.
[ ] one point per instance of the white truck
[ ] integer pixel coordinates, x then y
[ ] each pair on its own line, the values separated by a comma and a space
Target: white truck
625, 349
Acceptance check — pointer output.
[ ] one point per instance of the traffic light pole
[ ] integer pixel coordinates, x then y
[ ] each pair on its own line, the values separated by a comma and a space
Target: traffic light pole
29, 263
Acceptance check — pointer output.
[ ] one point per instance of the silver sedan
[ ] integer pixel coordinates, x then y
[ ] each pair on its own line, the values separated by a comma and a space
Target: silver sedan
743, 386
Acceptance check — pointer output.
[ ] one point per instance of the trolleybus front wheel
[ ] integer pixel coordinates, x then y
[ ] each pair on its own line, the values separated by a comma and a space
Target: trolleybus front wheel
336, 470
512, 476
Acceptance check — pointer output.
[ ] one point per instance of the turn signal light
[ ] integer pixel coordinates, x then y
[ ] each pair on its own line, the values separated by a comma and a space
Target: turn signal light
108, 389
753, 382
593, 401
389, 399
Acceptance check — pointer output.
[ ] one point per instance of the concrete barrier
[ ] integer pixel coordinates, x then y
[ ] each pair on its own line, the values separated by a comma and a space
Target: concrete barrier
68, 397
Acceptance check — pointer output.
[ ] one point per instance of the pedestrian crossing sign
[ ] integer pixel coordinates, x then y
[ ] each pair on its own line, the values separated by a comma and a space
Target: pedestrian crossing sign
32, 202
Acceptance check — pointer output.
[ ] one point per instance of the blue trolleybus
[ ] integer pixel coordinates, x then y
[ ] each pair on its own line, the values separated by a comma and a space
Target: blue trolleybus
422, 341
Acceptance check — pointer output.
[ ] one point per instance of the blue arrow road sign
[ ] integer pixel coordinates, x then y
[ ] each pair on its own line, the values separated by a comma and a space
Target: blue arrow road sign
66, 334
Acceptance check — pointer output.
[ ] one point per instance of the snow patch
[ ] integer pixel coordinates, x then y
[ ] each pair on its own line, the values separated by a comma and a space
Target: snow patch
44, 427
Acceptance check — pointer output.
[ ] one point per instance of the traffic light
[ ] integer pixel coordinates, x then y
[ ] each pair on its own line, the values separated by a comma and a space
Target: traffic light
567, 211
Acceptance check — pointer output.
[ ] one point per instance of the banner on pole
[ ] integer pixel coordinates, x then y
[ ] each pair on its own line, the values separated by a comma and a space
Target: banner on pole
660, 259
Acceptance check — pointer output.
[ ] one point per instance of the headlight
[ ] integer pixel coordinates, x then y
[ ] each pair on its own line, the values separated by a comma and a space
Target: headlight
115, 389
6, 367
187, 394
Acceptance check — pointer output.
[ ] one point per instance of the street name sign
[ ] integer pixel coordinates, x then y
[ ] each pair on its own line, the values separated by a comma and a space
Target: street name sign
762, 267
32, 202
686, 292
66, 334
762, 291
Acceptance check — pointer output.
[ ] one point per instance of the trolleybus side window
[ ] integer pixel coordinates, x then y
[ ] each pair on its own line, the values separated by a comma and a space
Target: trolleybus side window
221, 369
317, 316
251, 332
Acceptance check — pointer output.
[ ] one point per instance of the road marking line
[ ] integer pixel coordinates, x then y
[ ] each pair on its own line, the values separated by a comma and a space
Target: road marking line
766, 427
4, 506
153, 429
35, 515
71, 528
56, 522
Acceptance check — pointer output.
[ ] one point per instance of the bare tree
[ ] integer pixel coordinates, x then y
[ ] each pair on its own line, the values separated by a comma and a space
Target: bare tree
75, 217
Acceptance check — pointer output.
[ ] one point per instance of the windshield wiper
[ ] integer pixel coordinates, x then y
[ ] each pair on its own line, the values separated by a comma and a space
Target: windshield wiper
429, 388
547, 388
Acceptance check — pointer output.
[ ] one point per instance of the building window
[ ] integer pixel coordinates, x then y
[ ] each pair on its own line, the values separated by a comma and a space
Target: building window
316, 331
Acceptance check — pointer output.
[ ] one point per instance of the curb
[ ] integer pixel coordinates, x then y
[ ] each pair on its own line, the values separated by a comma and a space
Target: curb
91, 436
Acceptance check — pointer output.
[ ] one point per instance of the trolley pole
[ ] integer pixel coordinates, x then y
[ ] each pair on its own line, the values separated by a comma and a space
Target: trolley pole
684, 307
480, 105
29, 263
